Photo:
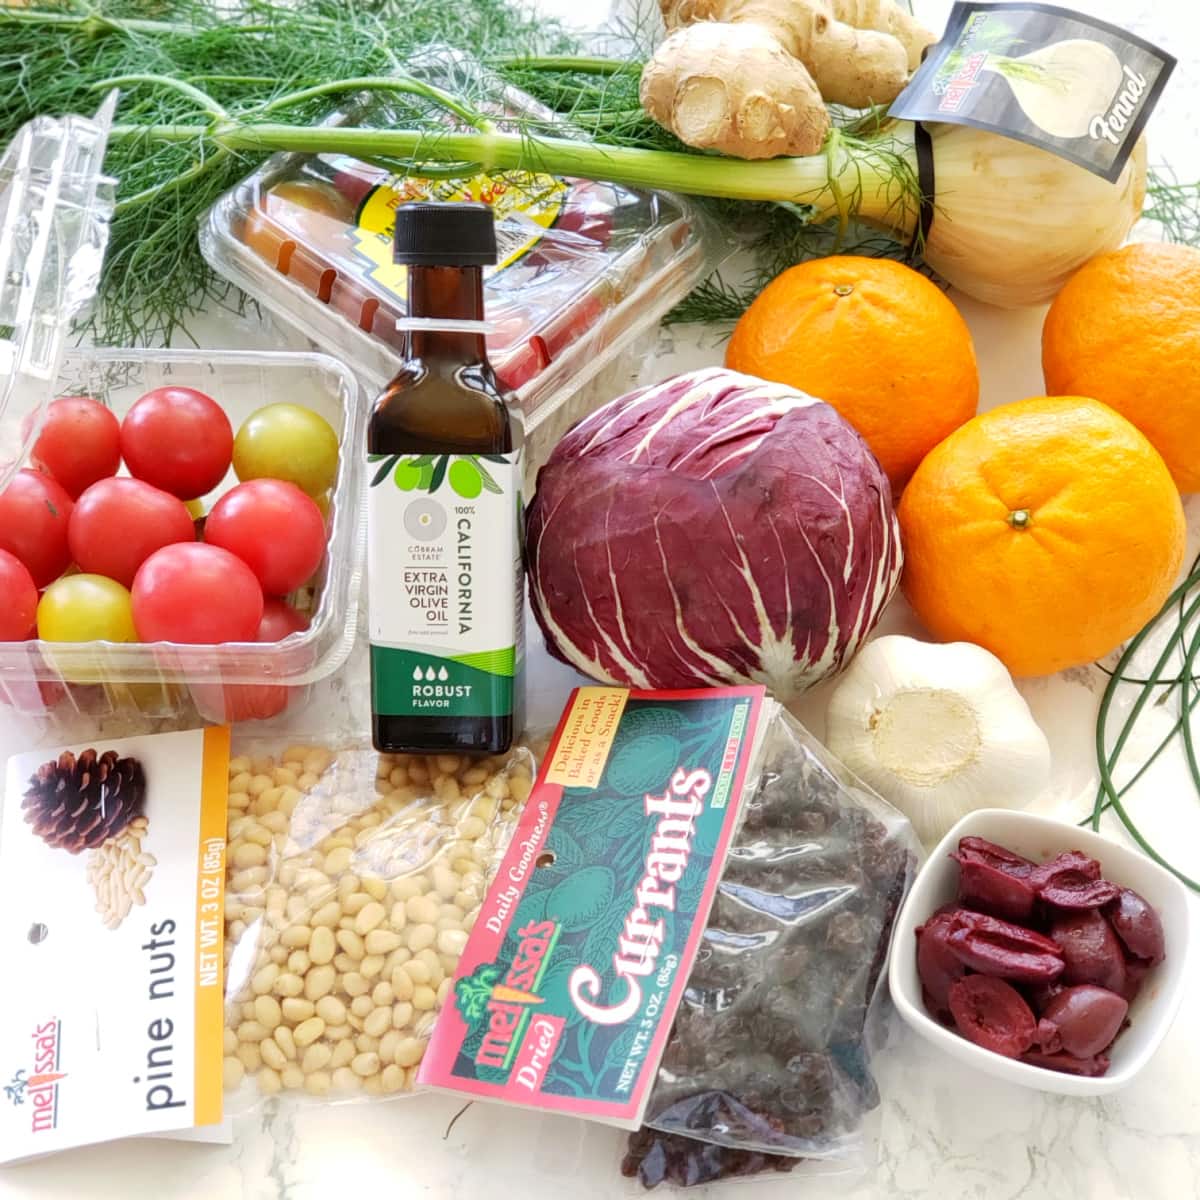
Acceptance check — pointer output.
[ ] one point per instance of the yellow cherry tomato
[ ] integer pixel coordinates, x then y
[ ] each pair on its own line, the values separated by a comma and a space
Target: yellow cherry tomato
290, 442
86, 608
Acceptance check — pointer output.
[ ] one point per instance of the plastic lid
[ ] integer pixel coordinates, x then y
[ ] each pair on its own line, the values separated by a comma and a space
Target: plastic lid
445, 235
54, 211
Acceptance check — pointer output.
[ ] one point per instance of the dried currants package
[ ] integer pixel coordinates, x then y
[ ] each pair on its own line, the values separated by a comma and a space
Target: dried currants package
770, 1057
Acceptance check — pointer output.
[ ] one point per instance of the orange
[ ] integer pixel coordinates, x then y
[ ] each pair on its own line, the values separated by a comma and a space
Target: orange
873, 338
1126, 330
1047, 531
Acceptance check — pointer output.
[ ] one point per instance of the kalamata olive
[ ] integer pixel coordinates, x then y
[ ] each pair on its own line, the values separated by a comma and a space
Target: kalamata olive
1136, 970
1068, 1063
1040, 994
991, 890
1074, 890
1088, 1018
988, 854
1073, 881
1137, 925
1068, 860
1090, 949
992, 1014
1002, 949
1047, 1037
937, 964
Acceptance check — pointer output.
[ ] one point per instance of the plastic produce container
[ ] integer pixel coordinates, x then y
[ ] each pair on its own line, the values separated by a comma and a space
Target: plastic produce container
54, 208
586, 269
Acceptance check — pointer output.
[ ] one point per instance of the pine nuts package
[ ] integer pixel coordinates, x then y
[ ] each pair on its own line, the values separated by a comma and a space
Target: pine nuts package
353, 880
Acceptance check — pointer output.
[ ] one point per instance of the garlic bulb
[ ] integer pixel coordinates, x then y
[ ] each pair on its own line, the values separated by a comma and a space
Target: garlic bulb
1062, 87
937, 730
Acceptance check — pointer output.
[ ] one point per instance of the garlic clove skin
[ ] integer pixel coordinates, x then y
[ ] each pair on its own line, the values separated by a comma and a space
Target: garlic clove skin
937, 730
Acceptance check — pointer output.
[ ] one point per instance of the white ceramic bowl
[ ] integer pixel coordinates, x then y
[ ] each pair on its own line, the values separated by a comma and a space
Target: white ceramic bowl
1040, 839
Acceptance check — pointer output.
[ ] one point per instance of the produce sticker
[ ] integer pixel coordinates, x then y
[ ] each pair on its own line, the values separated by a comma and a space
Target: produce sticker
112, 876
1069, 83
569, 984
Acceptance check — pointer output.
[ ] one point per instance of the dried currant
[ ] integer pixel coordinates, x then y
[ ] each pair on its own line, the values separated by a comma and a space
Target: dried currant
988, 883
1087, 1017
937, 964
1067, 1063
1090, 949
1138, 925
992, 1014
1003, 950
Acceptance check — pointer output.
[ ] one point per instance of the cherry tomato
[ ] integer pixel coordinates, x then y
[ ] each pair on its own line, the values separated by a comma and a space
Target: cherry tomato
196, 594
80, 442
274, 528
279, 620
18, 599
290, 442
179, 440
85, 608
34, 514
253, 701
118, 523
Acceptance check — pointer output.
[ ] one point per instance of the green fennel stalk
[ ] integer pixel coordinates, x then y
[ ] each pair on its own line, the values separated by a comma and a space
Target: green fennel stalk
207, 97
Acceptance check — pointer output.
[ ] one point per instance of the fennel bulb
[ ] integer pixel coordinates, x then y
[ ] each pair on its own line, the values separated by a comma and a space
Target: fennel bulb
1062, 87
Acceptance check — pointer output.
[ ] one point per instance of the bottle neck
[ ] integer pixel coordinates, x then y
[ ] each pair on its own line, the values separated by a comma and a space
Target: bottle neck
446, 293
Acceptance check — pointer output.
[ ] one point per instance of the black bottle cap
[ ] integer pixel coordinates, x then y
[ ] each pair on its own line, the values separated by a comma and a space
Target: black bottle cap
453, 234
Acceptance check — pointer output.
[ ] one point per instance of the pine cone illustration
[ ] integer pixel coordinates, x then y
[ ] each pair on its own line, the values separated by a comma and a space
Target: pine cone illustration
77, 804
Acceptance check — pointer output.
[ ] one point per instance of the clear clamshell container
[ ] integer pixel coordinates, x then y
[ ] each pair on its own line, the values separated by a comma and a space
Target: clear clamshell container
54, 210
586, 269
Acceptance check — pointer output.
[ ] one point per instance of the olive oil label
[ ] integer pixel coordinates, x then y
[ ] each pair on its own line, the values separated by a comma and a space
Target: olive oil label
1069, 83
112, 890
445, 595
569, 984
525, 205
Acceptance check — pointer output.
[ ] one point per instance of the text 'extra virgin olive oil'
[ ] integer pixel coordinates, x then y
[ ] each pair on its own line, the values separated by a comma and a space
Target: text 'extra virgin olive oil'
446, 586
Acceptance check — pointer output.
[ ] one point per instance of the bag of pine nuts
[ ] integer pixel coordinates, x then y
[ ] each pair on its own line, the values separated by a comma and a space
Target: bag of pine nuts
353, 879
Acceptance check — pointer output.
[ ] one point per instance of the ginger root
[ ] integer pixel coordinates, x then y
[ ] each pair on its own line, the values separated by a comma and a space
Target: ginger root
752, 77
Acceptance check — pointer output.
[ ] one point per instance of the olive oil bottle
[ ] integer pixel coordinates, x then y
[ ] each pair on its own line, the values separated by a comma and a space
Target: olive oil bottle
445, 582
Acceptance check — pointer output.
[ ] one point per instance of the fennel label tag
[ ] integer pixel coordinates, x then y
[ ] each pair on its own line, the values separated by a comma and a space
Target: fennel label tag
1061, 80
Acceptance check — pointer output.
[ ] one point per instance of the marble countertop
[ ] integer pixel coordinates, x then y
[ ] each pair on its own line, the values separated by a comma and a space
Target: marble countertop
942, 1132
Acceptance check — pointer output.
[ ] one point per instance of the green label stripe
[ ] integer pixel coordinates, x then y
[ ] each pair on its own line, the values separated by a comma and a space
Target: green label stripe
407, 683
494, 662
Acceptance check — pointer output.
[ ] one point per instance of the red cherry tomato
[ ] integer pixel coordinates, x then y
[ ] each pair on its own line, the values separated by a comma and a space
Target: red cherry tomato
253, 701
34, 514
118, 523
274, 528
179, 440
196, 594
18, 599
80, 443
279, 620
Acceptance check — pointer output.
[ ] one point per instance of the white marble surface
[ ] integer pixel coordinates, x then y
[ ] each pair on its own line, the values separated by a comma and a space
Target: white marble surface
942, 1132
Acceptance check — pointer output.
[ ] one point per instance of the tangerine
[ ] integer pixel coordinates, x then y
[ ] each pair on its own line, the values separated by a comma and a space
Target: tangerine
1047, 531
1126, 330
875, 339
